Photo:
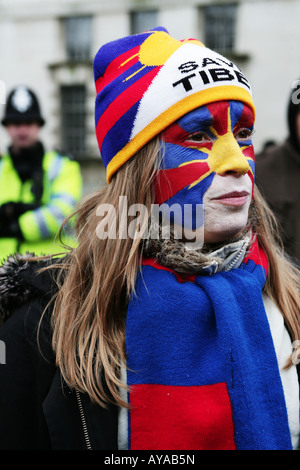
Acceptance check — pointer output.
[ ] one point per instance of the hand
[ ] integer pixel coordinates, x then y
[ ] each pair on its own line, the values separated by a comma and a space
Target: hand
11, 230
13, 210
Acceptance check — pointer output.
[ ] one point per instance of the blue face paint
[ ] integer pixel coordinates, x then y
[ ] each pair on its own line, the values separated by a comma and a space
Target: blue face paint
211, 139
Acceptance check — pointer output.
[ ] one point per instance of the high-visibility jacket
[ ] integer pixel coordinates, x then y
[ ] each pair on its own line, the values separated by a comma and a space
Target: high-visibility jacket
62, 187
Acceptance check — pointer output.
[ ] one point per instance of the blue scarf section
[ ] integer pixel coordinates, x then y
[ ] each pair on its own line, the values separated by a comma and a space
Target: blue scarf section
202, 368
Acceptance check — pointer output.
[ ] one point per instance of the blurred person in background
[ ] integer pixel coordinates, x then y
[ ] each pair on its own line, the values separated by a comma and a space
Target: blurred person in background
278, 176
38, 188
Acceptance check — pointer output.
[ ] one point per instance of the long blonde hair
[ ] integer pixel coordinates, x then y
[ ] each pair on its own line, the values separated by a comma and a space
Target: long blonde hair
98, 277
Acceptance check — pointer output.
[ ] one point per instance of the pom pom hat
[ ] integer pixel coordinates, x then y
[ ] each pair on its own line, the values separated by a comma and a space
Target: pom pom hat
147, 81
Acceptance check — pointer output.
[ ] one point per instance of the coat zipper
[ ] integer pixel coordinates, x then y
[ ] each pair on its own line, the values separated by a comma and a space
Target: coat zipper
228, 268
83, 421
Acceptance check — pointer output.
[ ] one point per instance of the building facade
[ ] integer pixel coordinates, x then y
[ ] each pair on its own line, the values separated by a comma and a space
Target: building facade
49, 45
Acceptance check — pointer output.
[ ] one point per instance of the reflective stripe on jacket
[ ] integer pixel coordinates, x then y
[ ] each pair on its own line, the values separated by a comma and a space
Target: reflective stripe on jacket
62, 187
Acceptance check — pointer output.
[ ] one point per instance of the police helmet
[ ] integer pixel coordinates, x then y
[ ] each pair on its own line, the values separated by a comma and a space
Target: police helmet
22, 106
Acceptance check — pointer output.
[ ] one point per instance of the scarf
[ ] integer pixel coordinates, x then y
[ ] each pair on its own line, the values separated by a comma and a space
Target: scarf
201, 365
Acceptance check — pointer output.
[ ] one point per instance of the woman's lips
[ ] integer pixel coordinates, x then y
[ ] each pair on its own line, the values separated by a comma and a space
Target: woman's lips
235, 198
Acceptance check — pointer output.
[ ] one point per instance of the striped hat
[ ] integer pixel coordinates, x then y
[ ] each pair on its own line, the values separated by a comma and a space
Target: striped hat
147, 81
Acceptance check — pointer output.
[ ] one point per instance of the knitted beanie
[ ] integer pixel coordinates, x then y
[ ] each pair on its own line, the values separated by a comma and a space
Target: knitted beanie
147, 81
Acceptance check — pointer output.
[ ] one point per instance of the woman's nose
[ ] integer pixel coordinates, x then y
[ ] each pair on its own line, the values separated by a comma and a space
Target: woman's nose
234, 165
229, 157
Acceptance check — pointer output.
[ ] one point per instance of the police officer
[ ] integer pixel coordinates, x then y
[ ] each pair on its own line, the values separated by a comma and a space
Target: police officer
38, 188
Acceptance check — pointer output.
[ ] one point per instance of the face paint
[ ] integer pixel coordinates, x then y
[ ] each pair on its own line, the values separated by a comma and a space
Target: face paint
211, 141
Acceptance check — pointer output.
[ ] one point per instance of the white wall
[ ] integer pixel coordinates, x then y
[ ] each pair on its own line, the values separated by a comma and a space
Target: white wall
267, 30
27, 47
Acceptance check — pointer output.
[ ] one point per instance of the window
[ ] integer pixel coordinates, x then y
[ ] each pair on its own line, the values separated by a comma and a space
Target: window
78, 37
143, 21
219, 21
73, 115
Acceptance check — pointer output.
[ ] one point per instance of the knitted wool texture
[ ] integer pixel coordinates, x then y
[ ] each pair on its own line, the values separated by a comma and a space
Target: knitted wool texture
147, 81
202, 368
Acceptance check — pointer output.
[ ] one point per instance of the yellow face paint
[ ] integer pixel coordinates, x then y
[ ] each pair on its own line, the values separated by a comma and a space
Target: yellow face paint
212, 139
225, 154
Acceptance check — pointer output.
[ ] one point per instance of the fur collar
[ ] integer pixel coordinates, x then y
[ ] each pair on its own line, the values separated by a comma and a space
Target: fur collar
21, 281
183, 259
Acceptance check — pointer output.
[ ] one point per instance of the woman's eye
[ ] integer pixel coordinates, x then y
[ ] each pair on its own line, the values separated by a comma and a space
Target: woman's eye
198, 137
243, 134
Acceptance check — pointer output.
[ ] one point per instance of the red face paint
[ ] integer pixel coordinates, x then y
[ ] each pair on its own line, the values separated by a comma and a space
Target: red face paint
210, 140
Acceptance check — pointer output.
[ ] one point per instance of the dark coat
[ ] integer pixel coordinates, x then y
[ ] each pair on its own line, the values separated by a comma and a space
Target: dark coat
277, 173
37, 409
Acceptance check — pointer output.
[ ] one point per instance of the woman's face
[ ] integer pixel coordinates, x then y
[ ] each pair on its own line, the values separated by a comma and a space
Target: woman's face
209, 160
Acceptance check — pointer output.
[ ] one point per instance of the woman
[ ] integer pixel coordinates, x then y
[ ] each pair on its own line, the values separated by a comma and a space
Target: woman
143, 337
